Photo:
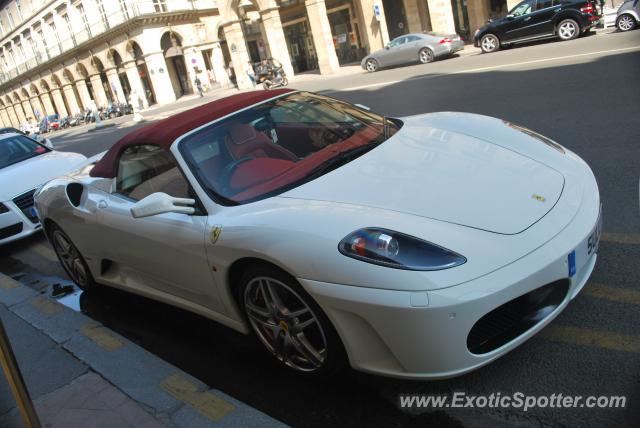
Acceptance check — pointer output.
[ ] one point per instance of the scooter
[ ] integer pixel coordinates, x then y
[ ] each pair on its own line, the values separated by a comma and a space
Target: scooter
276, 79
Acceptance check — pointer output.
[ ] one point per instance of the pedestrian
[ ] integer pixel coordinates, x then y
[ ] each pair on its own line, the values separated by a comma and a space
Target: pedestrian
199, 86
251, 72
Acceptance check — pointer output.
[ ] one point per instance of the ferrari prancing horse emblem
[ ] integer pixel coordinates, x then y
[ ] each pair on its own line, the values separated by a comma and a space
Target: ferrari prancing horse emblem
215, 233
538, 197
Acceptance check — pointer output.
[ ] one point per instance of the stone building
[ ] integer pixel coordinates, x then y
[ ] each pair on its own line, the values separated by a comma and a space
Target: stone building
66, 56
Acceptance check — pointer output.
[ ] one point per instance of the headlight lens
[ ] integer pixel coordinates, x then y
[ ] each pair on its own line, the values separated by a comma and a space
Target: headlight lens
397, 250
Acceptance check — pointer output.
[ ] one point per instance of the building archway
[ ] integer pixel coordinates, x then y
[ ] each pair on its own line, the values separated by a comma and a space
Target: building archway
136, 53
117, 62
104, 81
84, 74
45, 97
71, 91
58, 85
171, 44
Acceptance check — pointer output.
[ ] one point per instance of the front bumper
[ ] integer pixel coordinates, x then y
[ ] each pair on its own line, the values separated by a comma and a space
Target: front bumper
423, 335
15, 224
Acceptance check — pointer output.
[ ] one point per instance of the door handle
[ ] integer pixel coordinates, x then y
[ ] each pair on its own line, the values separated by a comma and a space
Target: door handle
102, 204
527, 18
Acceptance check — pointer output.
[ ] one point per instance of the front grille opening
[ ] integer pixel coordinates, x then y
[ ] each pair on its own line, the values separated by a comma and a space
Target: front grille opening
9, 231
515, 317
25, 203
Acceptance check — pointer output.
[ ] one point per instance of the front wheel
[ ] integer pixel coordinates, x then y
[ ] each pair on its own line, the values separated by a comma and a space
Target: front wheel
568, 30
285, 81
625, 22
489, 43
425, 56
289, 323
266, 85
71, 260
371, 65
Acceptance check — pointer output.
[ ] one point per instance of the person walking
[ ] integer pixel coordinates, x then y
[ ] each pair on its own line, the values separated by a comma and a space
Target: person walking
199, 86
251, 72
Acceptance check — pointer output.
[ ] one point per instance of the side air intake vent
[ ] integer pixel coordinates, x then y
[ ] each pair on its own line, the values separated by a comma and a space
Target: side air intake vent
74, 193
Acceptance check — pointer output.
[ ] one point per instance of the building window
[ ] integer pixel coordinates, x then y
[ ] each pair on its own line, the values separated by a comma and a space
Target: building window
19, 10
103, 14
160, 5
85, 22
11, 23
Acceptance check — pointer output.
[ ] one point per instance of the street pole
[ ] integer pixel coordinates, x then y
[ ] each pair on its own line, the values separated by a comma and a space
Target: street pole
16, 383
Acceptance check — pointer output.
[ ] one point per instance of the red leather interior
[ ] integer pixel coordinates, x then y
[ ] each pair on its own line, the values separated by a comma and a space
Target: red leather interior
257, 170
244, 141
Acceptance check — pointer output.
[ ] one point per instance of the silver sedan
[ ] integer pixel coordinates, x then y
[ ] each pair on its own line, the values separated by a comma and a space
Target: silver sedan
416, 47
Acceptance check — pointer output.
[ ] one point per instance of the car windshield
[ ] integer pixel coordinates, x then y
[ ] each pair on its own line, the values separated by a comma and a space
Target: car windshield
18, 148
280, 144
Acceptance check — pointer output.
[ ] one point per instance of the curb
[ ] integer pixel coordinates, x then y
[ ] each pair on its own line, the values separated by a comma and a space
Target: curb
164, 391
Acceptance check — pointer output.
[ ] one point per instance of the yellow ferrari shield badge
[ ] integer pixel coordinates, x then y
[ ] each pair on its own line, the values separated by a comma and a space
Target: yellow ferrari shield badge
215, 233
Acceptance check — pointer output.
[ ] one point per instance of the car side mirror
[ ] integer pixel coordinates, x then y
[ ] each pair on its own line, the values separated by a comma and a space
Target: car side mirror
510, 16
160, 203
387, 47
47, 143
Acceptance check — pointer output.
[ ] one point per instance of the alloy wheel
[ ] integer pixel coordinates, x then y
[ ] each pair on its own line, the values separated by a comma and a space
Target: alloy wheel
489, 43
425, 56
70, 258
626, 23
568, 30
285, 324
372, 65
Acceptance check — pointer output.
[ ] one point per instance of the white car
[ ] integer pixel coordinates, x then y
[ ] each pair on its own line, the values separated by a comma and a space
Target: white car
25, 165
417, 247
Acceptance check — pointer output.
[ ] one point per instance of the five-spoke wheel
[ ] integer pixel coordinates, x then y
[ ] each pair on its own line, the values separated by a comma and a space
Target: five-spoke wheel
425, 55
289, 324
71, 259
568, 29
371, 65
489, 43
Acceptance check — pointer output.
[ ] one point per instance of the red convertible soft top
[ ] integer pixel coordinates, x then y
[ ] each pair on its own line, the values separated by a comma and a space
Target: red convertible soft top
163, 133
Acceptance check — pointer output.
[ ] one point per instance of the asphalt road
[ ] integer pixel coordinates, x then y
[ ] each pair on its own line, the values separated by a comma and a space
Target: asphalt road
584, 94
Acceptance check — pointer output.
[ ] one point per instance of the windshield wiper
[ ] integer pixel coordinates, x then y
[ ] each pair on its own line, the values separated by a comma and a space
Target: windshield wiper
340, 159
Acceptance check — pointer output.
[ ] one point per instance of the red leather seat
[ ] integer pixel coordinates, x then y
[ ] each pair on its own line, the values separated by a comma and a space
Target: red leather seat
244, 141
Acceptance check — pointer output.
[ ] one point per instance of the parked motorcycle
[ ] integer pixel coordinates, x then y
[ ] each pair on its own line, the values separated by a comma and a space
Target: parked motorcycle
271, 74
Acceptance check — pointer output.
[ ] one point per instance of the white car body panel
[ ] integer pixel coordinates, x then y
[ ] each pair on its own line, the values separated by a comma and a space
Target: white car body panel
25, 176
510, 250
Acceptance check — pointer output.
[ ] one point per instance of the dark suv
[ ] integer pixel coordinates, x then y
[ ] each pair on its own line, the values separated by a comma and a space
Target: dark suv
538, 19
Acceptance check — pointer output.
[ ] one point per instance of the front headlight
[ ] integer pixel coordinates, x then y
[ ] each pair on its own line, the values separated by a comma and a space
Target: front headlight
3, 208
397, 250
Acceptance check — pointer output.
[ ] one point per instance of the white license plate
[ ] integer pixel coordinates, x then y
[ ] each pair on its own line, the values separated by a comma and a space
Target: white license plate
585, 250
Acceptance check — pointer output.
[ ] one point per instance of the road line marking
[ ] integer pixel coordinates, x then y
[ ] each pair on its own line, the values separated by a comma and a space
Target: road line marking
586, 337
479, 69
45, 251
207, 404
615, 294
7, 283
102, 336
46, 306
621, 238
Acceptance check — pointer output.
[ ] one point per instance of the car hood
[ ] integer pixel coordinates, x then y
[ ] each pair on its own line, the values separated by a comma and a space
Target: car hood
31, 173
461, 177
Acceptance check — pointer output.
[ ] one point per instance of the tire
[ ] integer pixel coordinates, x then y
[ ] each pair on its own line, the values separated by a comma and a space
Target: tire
371, 65
489, 43
266, 86
626, 22
568, 29
285, 81
306, 343
71, 260
426, 56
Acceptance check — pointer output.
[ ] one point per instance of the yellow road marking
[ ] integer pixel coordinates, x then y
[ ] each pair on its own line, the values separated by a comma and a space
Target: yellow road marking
621, 238
45, 251
46, 306
7, 283
586, 337
102, 337
614, 294
210, 406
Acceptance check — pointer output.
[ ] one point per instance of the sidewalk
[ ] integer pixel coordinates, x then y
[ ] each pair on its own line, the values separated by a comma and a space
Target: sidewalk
79, 373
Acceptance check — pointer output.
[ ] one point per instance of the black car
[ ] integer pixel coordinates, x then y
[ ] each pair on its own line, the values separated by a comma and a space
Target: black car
538, 19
